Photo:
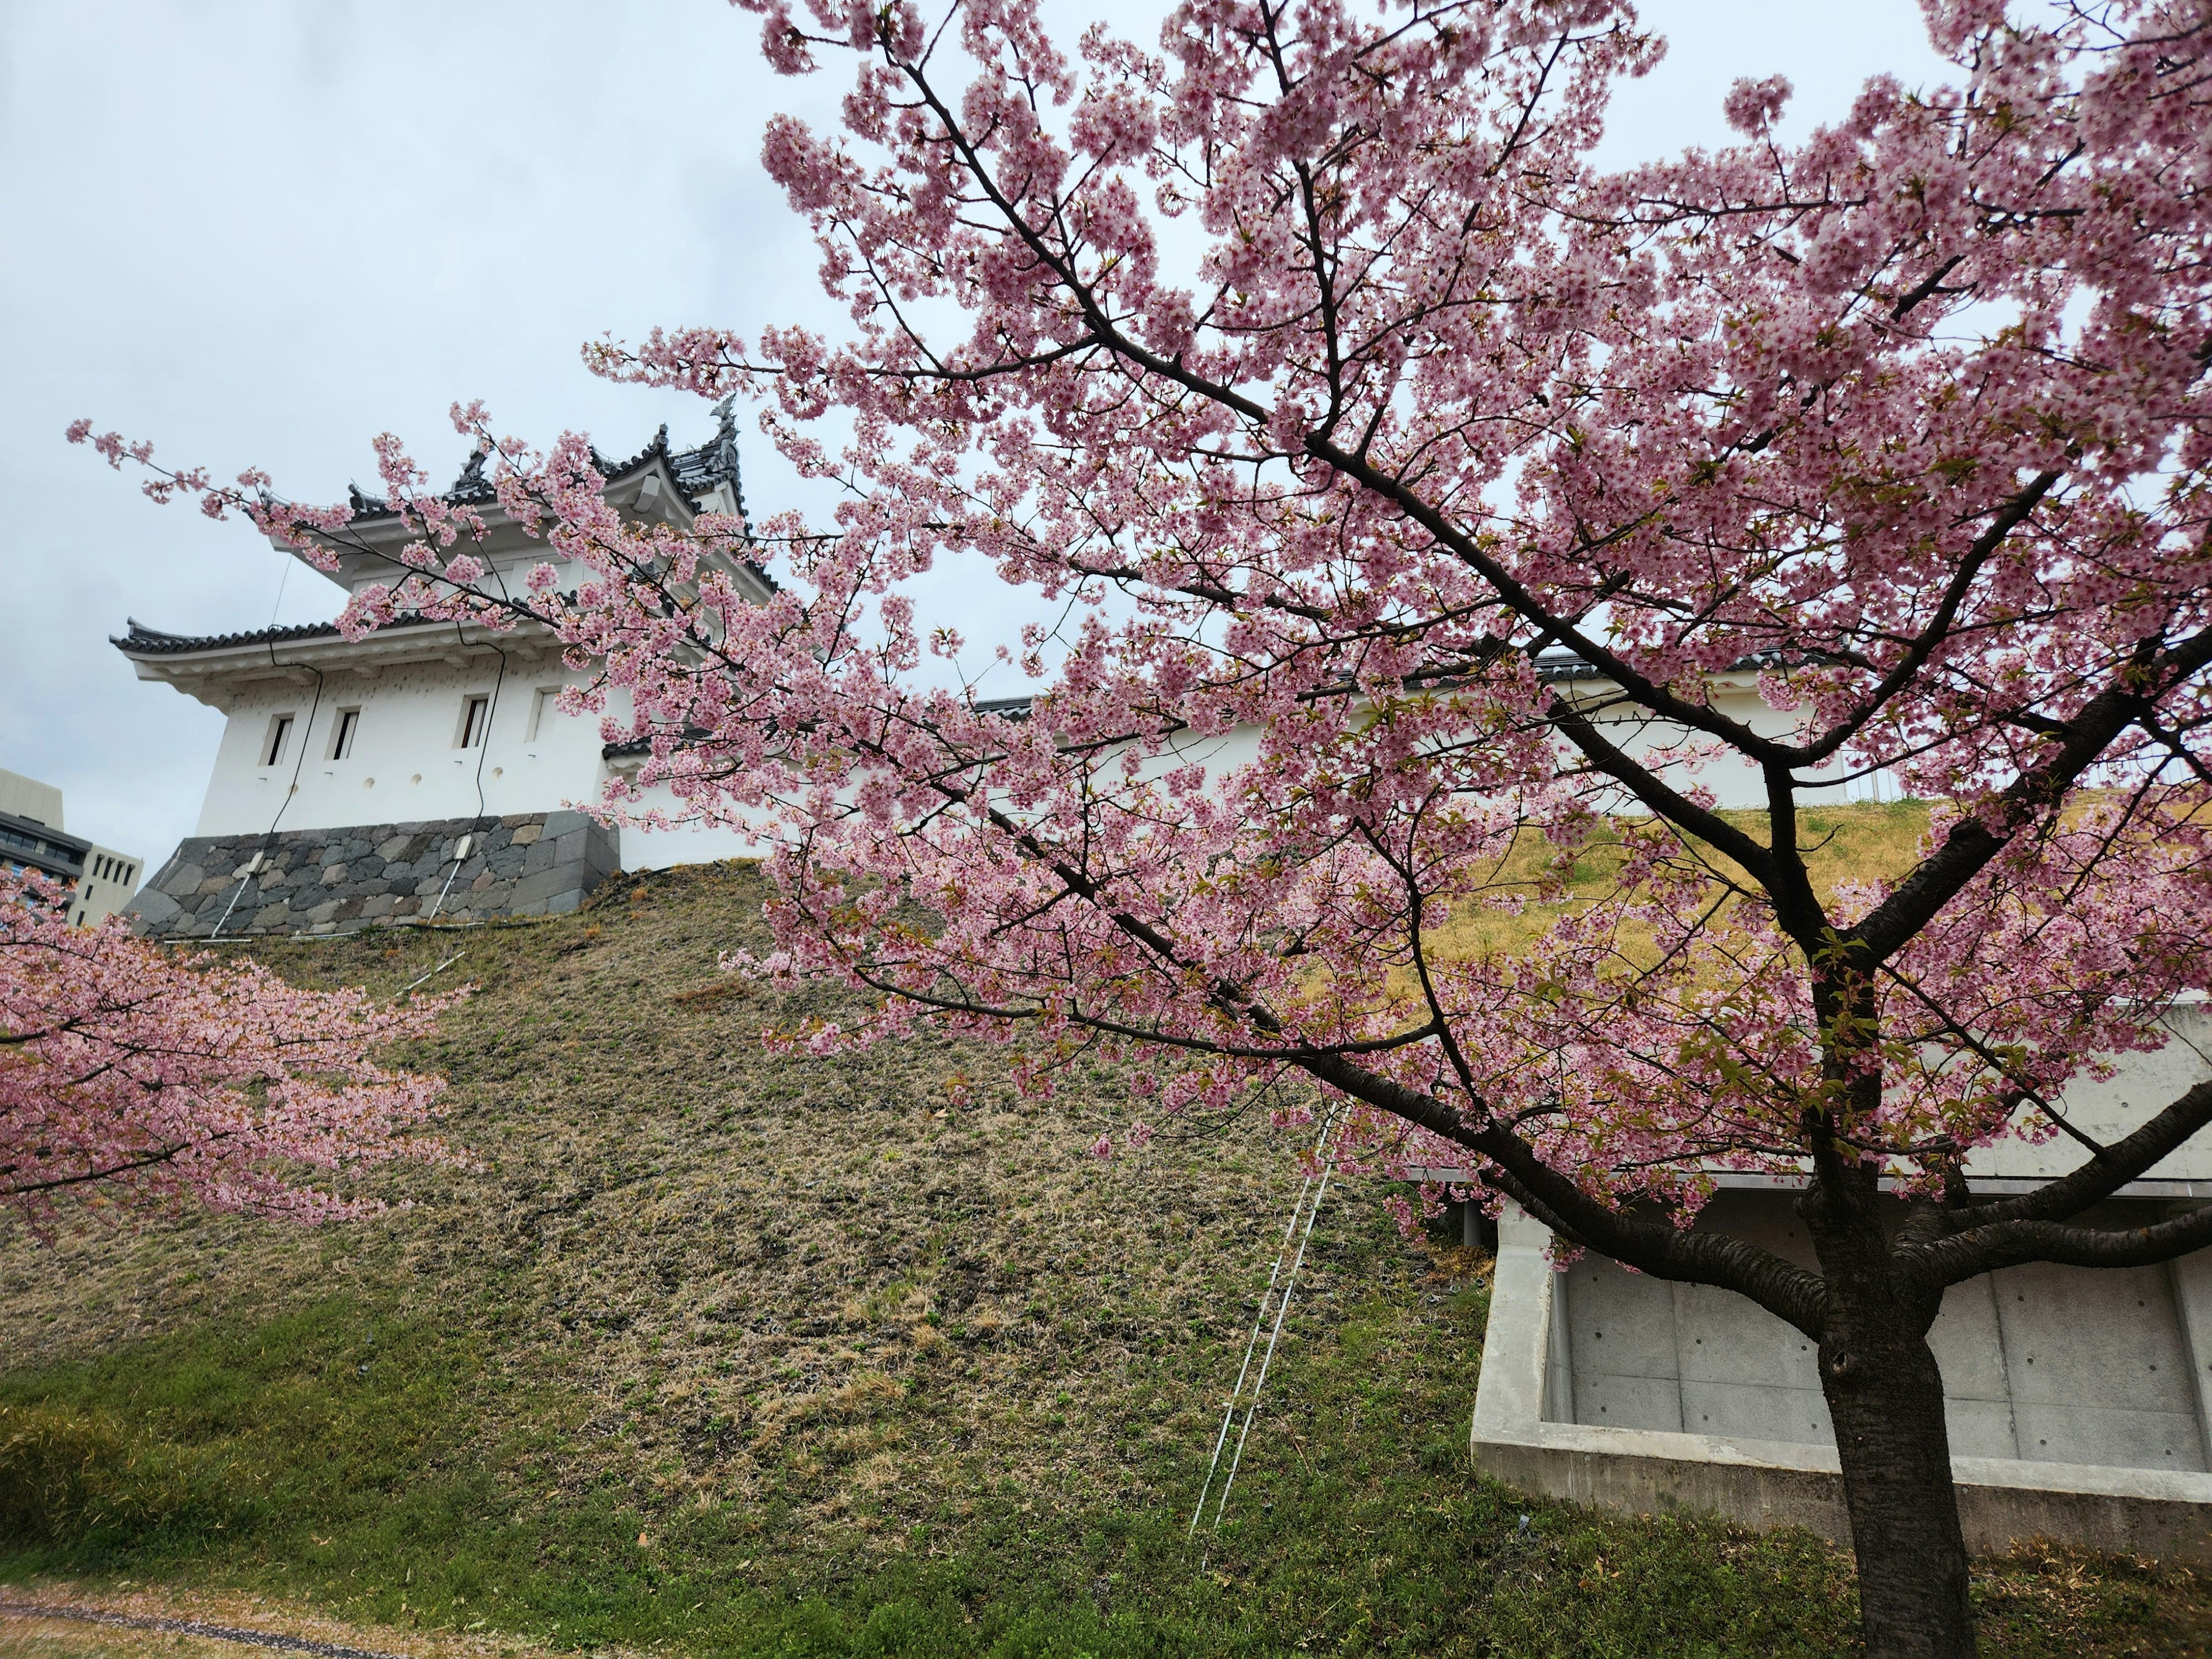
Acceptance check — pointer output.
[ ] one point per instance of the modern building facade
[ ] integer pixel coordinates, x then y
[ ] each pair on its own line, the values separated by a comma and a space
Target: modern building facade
99, 880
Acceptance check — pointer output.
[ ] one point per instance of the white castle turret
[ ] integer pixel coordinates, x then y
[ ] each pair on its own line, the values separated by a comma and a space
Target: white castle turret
425, 770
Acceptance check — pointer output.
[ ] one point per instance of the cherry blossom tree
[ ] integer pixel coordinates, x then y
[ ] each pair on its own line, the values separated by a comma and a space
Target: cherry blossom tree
146, 1078
1318, 386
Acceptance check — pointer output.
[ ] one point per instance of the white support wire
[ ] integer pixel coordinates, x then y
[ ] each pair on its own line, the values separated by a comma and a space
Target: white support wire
252, 869
1290, 1229
427, 973
461, 851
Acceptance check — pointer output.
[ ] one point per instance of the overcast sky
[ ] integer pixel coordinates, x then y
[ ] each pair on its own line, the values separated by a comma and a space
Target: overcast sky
263, 233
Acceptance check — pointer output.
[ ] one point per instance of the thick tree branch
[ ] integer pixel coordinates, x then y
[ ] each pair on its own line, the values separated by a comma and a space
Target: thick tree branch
2009, 1243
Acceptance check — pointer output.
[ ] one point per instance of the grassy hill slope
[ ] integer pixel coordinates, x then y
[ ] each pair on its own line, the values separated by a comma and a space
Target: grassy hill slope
744, 1354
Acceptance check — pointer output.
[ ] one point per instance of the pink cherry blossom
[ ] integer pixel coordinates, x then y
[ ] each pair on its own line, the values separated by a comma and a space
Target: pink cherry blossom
136, 1076
1323, 394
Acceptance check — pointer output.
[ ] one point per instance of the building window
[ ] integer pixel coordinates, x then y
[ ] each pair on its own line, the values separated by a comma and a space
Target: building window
280, 734
476, 715
342, 735
543, 707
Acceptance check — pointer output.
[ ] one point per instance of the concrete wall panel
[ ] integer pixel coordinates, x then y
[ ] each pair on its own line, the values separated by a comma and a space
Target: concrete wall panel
1765, 1479
1757, 1411
1628, 1402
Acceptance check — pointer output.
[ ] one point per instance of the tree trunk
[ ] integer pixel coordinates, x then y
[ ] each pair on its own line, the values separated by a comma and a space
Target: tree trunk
1886, 1397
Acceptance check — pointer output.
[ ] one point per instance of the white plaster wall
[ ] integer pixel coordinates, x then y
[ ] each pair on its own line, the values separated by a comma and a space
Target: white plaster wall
644, 849
1735, 782
406, 764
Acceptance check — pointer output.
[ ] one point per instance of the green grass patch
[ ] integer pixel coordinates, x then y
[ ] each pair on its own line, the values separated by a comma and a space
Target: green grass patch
332, 1454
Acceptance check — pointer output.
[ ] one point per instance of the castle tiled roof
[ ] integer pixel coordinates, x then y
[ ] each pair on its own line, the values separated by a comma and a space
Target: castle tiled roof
698, 473
144, 641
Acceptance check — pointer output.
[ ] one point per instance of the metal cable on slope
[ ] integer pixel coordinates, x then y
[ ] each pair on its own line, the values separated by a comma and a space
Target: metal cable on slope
1282, 1308
1251, 1344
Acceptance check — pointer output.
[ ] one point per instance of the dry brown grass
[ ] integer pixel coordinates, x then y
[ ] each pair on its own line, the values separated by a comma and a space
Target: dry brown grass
746, 1274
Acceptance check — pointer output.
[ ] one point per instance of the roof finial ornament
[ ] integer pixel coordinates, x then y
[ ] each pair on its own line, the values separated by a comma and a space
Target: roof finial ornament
472, 470
725, 449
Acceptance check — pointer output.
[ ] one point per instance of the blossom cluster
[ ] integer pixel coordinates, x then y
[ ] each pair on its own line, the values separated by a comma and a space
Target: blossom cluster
1904, 424
132, 1075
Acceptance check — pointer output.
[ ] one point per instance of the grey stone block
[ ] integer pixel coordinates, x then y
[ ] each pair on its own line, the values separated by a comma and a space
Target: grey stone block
340, 879
154, 910
538, 888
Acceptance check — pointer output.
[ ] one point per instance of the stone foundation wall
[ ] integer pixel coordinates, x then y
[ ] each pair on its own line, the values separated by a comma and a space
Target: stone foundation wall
331, 881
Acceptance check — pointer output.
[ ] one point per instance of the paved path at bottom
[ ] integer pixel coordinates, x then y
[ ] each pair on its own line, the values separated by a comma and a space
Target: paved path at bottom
259, 1638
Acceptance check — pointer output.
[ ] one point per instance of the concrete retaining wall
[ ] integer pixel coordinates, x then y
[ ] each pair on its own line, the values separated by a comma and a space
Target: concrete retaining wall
329, 881
1534, 1414
2001, 1503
